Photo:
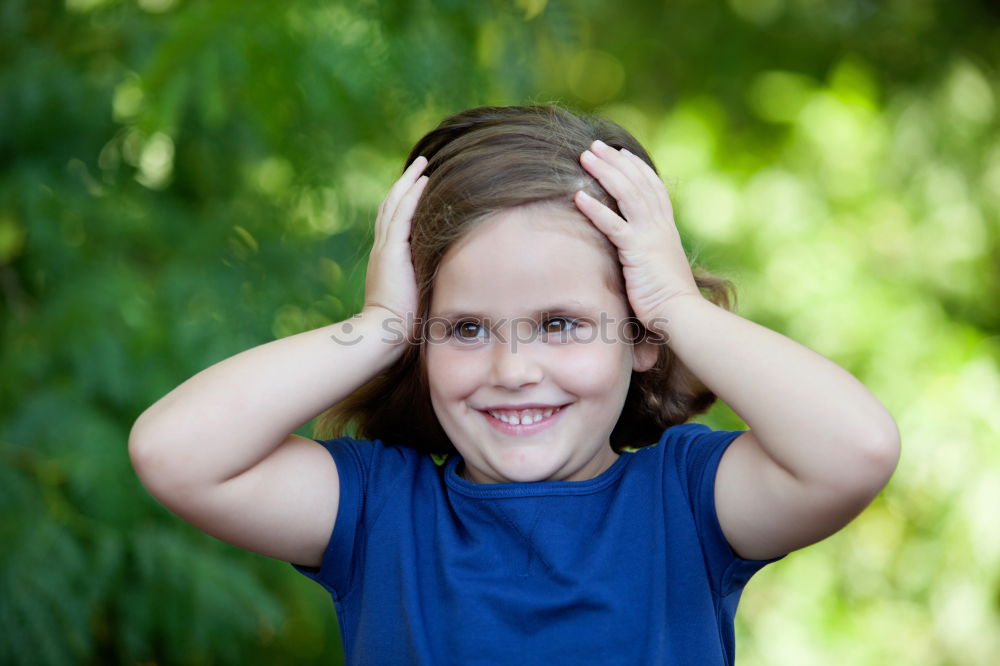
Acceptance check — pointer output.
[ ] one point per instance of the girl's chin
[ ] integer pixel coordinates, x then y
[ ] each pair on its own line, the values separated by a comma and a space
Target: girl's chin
524, 470
520, 471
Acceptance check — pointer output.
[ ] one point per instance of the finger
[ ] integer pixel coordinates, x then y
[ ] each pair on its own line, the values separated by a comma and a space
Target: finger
653, 179
629, 195
611, 225
388, 208
399, 226
655, 196
621, 161
403, 185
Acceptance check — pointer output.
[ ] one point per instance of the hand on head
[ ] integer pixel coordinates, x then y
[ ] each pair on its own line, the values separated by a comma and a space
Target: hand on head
390, 283
654, 265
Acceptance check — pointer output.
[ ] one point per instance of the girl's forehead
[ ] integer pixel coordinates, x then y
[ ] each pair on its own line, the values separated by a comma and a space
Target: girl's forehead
531, 249
547, 217
551, 225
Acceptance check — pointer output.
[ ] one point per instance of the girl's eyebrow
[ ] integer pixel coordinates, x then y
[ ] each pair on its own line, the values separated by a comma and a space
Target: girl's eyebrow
555, 309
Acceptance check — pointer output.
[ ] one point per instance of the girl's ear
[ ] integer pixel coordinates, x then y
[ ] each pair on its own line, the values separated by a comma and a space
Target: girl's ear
644, 355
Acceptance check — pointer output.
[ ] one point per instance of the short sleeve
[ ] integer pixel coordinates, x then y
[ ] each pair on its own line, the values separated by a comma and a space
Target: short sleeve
335, 572
371, 474
696, 450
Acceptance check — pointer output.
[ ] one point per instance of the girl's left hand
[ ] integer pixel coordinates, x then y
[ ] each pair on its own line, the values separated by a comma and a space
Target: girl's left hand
654, 265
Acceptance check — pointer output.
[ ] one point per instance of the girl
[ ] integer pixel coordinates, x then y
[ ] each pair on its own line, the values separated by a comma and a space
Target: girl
530, 312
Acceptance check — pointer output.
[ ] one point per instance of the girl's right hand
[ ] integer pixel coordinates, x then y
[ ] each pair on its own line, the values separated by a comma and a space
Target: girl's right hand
390, 283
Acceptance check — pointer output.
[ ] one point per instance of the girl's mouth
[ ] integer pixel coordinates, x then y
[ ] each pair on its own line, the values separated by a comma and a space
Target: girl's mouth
523, 421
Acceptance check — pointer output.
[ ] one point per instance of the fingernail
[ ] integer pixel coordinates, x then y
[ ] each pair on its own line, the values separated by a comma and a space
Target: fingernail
599, 144
587, 155
585, 195
624, 150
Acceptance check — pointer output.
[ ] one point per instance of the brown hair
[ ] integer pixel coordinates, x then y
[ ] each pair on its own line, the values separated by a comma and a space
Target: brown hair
481, 162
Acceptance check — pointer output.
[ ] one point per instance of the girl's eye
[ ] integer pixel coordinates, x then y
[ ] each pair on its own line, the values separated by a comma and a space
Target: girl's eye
558, 325
468, 330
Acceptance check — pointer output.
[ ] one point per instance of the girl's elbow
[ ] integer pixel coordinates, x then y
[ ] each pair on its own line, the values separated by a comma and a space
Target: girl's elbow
879, 454
141, 450
149, 453
865, 467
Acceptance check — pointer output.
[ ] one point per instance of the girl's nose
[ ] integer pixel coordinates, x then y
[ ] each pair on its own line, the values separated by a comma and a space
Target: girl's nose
514, 365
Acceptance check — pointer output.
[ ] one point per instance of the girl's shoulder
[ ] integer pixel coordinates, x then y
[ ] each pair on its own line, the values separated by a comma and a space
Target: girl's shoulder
366, 464
689, 451
691, 439
366, 452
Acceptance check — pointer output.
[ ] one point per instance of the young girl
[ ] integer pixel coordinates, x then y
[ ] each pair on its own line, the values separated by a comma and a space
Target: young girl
530, 312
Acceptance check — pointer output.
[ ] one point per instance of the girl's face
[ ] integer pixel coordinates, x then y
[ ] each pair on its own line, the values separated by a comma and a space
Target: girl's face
528, 357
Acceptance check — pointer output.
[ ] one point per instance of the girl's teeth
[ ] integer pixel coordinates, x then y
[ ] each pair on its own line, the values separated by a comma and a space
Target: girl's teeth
523, 418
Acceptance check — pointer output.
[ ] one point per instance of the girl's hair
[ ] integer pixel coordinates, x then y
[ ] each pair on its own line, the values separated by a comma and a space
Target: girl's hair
484, 161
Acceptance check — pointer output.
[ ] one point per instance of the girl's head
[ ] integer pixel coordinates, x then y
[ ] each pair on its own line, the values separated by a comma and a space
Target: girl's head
496, 236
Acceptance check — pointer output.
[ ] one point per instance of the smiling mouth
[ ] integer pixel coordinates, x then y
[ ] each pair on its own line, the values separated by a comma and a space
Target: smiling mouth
524, 421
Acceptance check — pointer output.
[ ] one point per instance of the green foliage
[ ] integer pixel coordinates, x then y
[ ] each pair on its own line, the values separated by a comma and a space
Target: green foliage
183, 180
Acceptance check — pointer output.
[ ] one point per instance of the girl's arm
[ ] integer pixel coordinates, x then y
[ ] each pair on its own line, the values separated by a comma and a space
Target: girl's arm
217, 450
820, 445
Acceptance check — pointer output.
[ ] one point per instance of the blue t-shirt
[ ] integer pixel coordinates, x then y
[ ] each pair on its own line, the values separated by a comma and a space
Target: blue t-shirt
630, 567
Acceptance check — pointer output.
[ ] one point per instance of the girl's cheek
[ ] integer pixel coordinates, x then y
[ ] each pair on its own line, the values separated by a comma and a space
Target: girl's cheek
452, 371
594, 364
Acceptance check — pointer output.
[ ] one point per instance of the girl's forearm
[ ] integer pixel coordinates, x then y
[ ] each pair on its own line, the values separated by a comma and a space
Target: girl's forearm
231, 415
810, 415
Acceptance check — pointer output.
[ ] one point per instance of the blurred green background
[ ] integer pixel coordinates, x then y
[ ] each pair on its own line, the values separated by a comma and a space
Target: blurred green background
183, 180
